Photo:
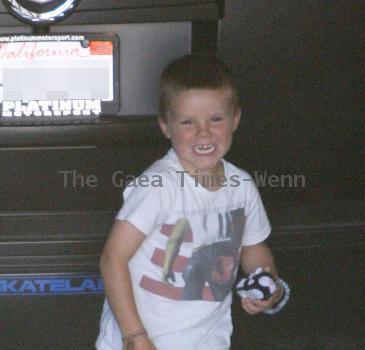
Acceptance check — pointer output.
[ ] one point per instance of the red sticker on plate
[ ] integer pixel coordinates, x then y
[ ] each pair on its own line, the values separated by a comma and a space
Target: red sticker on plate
101, 47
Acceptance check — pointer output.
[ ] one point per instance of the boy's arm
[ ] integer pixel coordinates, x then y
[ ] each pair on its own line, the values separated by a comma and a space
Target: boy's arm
252, 257
120, 247
257, 255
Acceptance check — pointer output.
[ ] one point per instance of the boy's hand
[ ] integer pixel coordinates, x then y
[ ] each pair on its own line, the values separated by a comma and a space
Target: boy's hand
255, 306
141, 343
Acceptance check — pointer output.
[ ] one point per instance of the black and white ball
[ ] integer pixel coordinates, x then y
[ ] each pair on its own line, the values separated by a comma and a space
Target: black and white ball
259, 285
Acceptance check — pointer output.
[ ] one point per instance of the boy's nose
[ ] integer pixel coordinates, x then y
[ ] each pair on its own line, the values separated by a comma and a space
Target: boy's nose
203, 129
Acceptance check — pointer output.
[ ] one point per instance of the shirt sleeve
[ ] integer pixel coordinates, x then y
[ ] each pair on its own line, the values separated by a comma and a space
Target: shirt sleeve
145, 206
257, 226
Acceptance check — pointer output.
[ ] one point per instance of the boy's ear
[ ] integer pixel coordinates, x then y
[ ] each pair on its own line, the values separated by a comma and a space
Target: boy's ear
236, 118
163, 127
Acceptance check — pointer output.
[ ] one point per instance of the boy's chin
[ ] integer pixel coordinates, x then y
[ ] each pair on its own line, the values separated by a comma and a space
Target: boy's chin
202, 164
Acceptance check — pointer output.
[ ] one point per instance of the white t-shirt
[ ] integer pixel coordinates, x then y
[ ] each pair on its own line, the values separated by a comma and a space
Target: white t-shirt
200, 233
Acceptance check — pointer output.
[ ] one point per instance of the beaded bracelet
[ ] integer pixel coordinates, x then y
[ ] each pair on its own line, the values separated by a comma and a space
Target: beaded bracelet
283, 300
129, 338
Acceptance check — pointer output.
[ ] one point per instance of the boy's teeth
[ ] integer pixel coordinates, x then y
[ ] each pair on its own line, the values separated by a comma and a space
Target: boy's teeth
204, 149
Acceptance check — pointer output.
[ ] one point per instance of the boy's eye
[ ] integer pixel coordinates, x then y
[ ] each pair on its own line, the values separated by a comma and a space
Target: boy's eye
186, 122
217, 118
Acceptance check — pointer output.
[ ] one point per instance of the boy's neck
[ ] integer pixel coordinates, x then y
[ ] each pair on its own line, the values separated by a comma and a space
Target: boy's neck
212, 180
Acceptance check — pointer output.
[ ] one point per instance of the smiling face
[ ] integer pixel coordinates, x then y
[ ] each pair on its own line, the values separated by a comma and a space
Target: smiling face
200, 124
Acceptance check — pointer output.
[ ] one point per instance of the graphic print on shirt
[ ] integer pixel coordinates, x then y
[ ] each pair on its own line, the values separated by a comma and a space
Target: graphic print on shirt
209, 272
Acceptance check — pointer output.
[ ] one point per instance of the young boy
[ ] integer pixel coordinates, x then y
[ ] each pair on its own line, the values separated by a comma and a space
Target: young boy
171, 259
